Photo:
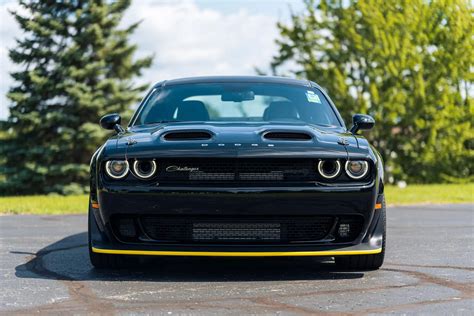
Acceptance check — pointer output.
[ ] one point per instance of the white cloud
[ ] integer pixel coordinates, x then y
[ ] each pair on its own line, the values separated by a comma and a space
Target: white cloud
186, 38
189, 40
9, 30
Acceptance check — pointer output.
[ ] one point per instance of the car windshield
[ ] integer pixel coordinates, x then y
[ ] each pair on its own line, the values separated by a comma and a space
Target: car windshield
237, 102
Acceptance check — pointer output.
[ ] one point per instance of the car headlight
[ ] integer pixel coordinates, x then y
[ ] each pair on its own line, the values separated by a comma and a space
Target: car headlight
329, 169
357, 169
116, 169
144, 169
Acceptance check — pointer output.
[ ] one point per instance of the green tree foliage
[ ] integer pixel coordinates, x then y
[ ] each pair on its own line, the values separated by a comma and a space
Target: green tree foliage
76, 65
407, 63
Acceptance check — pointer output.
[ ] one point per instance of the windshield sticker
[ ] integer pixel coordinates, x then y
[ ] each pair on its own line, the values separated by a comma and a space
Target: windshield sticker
312, 97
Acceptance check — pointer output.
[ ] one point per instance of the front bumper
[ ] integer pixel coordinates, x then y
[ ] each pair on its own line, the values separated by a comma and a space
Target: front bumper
238, 201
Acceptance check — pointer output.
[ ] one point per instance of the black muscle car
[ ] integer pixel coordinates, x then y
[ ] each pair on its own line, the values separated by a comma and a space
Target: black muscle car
237, 166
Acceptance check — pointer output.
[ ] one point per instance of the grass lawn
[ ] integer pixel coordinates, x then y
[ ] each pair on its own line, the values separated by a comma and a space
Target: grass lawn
44, 204
413, 194
430, 193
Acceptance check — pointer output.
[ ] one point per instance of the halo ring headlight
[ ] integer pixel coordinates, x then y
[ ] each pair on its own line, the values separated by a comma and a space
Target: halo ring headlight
117, 169
144, 174
322, 168
357, 174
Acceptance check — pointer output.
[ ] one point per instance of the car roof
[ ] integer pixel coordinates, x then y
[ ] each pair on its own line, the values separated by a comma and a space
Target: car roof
240, 79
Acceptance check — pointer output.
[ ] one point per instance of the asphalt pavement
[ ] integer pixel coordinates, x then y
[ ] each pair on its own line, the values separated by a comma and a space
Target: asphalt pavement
429, 269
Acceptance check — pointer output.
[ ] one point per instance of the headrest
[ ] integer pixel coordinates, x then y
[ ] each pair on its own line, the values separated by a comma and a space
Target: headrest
192, 111
279, 110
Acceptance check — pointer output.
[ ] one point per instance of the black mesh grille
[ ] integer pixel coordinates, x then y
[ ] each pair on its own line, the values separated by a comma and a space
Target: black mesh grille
355, 223
237, 230
236, 170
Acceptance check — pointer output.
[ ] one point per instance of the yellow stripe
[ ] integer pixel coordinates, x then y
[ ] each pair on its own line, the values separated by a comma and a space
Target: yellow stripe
238, 254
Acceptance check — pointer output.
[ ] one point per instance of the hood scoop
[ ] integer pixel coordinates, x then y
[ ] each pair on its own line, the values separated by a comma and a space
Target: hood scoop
287, 136
187, 135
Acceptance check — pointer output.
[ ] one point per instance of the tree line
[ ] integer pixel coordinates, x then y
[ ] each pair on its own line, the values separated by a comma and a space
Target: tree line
407, 63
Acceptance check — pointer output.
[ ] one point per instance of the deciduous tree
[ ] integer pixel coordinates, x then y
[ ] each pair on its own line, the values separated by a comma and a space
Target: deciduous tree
407, 63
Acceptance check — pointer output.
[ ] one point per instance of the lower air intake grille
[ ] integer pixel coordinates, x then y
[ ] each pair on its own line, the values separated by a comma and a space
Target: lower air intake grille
237, 230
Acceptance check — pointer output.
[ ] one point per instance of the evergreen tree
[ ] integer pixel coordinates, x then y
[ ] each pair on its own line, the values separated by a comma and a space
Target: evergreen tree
407, 63
76, 65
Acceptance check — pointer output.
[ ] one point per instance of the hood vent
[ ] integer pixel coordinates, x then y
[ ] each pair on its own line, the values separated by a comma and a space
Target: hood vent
188, 135
294, 136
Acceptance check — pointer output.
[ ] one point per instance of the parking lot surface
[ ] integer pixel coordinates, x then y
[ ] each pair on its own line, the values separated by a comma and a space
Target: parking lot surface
429, 269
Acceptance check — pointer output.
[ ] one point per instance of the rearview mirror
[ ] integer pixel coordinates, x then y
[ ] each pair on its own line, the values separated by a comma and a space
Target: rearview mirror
361, 122
238, 96
112, 122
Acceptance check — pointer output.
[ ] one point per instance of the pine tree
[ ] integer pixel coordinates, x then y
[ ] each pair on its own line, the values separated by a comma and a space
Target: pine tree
407, 63
76, 65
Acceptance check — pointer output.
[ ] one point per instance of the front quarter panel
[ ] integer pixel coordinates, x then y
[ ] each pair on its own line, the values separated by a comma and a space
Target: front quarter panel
380, 169
94, 174
362, 149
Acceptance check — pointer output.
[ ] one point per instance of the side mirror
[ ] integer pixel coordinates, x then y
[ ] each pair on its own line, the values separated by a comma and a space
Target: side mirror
112, 122
361, 122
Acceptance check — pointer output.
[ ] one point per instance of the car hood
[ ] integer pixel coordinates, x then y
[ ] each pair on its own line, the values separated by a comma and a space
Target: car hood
235, 140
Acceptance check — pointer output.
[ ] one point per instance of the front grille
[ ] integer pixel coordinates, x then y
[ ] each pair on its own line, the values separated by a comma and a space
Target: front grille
255, 230
236, 170
236, 231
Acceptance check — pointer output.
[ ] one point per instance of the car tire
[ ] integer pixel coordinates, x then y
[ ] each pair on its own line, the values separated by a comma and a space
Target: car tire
106, 261
366, 262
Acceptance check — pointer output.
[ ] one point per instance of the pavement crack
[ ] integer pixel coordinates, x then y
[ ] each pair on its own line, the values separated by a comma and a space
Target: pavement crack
466, 289
80, 295
279, 306
429, 266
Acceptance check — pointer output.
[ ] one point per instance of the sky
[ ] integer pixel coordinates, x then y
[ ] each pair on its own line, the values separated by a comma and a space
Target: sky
187, 37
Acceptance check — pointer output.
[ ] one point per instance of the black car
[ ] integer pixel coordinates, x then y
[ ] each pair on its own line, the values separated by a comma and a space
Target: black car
237, 166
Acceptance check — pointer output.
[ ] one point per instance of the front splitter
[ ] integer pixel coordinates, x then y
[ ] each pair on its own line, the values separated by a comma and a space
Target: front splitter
238, 254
